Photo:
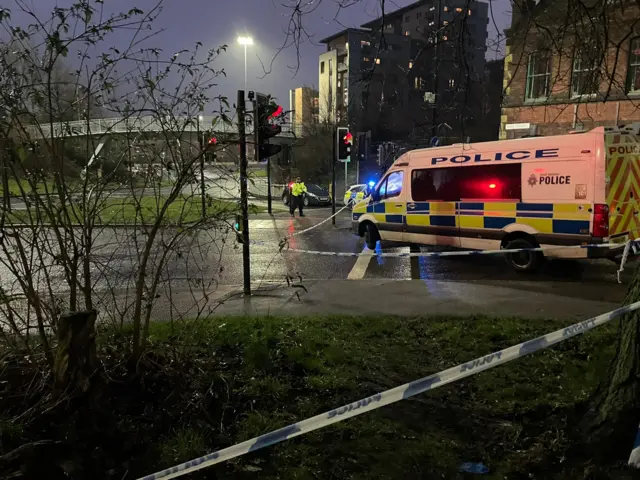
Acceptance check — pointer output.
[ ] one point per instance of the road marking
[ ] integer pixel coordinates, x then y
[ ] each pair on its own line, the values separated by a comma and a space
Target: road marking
360, 267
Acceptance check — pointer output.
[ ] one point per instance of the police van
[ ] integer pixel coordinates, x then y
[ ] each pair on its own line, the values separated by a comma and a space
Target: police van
565, 190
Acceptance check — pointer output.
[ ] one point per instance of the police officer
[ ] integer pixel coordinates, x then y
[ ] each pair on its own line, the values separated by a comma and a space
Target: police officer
298, 189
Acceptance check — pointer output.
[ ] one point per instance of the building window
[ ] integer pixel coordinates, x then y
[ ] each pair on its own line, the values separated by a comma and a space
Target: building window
407, 18
377, 61
446, 9
458, 9
538, 76
410, 64
585, 79
418, 83
365, 43
366, 59
634, 66
452, 83
469, 12
406, 33
445, 22
321, 67
445, 38
418, 15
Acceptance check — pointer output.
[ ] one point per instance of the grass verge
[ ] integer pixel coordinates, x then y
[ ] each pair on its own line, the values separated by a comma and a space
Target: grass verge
209, 385
145, 210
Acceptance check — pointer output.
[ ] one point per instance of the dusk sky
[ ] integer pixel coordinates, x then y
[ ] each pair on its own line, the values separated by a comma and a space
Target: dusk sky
218, 22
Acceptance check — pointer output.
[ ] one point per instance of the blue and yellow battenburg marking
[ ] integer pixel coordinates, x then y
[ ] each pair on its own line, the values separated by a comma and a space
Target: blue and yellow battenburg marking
561, 218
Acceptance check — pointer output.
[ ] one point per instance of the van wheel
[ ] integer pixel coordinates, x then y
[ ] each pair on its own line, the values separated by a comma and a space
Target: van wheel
285, 199
523, 261
371, 236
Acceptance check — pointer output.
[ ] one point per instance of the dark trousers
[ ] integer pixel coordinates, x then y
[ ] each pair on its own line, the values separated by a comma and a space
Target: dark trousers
296, 202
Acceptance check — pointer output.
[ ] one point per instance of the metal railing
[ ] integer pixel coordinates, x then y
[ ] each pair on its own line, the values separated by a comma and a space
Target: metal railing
120, 125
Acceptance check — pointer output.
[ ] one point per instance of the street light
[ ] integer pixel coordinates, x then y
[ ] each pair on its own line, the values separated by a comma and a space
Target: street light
245, 41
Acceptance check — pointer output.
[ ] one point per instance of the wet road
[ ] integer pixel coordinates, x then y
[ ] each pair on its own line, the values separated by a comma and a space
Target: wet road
213, 259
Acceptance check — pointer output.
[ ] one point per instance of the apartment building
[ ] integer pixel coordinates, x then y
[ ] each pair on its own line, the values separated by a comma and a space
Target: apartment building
570, 67
418, 72
304, 107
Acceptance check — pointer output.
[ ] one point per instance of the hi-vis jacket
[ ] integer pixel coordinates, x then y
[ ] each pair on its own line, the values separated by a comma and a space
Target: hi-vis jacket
298, 189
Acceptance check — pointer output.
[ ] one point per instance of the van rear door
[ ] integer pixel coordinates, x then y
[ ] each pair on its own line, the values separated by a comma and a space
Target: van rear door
623, 185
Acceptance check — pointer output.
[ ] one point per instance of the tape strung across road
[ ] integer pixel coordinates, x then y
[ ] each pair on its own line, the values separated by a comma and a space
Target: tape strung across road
394, 395
447, 254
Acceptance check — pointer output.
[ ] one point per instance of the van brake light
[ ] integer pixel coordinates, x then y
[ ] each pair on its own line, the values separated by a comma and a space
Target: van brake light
600, 220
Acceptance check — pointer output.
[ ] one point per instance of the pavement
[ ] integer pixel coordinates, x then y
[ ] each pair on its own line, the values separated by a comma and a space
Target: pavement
207, 278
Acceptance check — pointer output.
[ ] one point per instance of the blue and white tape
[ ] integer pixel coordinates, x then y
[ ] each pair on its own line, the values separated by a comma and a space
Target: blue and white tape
394, 395
453, 253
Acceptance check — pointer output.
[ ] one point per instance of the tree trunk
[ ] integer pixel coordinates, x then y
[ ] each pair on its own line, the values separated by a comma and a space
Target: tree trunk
611, 422
76, 360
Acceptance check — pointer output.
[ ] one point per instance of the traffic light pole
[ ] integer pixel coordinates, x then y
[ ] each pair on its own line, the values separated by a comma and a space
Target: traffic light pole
334, 157
244, 201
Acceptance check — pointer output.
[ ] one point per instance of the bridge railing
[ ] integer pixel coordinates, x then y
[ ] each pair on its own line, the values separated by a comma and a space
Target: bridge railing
119, 125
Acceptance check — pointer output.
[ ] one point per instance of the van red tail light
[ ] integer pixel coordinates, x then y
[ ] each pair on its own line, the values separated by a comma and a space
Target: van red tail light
600, 220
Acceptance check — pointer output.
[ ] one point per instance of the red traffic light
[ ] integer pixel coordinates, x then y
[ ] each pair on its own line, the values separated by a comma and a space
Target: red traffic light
277, 112
213, 141
348, 138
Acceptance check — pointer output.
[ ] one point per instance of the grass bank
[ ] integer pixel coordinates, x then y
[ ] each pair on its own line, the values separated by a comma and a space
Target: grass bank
146, 209
209, 385
16, 187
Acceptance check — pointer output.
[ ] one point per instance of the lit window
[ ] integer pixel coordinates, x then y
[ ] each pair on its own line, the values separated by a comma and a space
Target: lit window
452, 83
446, 9
410, 64
406, 34
431, 24
377, 61
364, 43
469, 11
445, 38
445, 22
458, 9
366, 59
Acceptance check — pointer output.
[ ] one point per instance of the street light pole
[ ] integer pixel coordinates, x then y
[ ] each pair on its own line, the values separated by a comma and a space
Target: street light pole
203, 190
245, 41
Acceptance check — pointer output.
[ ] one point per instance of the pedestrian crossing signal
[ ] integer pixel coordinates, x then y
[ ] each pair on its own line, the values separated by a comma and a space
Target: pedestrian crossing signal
238, 228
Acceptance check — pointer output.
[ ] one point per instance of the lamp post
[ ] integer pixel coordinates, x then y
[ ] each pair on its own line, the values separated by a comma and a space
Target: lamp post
203, 189
245, 41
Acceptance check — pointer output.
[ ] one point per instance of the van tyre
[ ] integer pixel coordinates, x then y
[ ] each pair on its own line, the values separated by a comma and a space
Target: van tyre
371, 236
523, 261
285, 199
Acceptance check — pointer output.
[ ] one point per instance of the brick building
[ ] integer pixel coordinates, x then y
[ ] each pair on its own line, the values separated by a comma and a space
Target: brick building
570, 66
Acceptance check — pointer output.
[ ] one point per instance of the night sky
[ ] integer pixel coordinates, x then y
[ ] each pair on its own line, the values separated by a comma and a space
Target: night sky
218, 22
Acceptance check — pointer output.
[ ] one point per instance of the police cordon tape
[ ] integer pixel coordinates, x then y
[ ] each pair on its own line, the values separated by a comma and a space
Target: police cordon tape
393, 395
373, 253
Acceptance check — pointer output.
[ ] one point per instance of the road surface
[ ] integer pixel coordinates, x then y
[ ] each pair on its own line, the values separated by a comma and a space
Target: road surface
211, 266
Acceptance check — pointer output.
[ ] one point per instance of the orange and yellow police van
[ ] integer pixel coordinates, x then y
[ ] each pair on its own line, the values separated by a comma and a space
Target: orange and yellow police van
566, 190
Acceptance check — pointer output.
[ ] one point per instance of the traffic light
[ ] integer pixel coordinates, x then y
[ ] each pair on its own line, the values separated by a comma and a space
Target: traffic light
265, 111
345, 141
238, 228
